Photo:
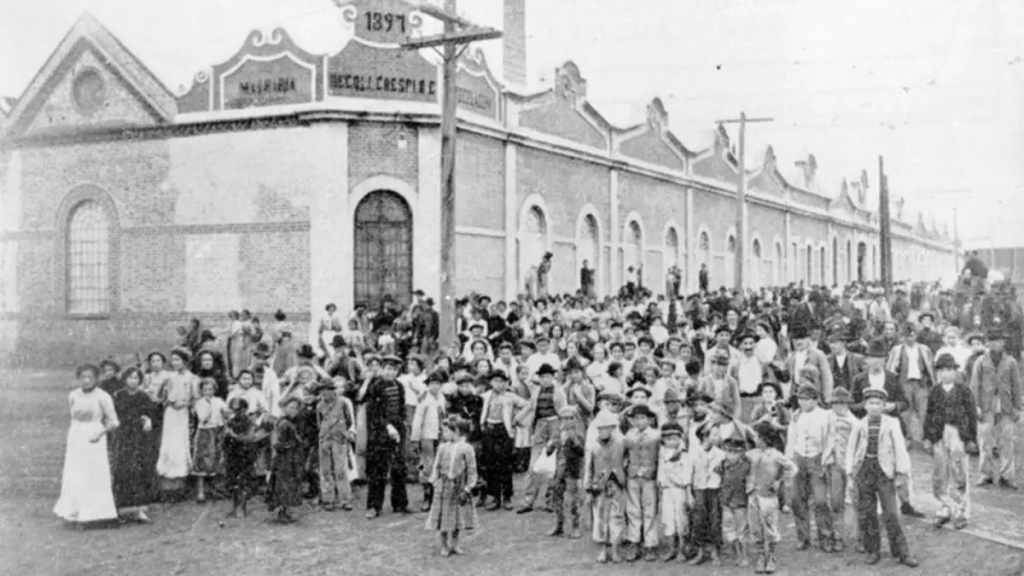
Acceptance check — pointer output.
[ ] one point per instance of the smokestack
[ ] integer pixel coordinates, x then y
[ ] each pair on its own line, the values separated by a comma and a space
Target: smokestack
514, 42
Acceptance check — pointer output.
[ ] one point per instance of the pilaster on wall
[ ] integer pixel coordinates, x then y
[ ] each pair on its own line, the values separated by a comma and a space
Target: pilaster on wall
690, 238
330, 240
426, 266
614, 233
790, 260
511, 223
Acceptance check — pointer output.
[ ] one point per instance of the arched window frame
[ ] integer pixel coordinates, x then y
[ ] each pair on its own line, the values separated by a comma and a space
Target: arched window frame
72, 201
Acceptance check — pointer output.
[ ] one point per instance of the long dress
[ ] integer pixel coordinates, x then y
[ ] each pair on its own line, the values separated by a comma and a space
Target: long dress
85, 492
235, 345
175, 462
135, 450
287, 471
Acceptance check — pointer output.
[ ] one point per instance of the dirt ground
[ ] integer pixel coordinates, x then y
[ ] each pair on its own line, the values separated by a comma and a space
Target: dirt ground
187, 538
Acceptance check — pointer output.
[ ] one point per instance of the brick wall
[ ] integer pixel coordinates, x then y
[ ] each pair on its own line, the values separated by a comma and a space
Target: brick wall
559, 118
480, 181
566, 185
375, 149
480, 261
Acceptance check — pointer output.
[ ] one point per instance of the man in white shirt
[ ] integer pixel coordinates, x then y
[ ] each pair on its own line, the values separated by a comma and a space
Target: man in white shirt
912, 364
749, 372
542, 356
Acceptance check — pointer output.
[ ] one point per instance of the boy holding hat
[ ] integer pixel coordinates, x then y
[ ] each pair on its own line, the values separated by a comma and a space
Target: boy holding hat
811, 445
569, 444
876, 457
996, 384
604, 477
541, 418
768, 469
950, 432
675, 488
641, 457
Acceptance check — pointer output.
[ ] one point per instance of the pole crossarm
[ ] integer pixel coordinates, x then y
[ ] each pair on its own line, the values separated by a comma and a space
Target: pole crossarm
458, 37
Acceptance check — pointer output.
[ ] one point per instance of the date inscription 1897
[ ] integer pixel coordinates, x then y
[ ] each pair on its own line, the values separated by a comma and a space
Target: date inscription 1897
385, 22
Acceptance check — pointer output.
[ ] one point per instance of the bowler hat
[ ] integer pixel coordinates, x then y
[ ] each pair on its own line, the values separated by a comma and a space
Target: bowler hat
639, 388
305, 351
670, 429
337, 341
546, 369
699, 396
975, 336
641, 410
946, 362
923, 315
498, 374
392, 360
769, 384
262, 350
746, 335
995, 333
799, 331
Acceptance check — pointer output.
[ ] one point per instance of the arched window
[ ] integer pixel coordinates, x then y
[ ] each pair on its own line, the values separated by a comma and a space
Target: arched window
823, 267
755, 264
730, 261
671, 248
705, 248
635, 247
533, 243
383, 248
777, 266
88, 259
589, 247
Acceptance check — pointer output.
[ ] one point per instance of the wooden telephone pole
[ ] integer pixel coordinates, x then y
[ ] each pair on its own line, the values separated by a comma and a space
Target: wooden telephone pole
884, 228
458, 33
741, 196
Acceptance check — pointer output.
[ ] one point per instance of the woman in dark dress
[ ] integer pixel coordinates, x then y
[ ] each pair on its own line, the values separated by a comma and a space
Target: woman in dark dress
135, 448
208, 365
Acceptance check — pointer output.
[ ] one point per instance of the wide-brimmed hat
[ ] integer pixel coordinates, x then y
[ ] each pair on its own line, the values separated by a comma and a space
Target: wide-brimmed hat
671, 395
670, 429
641, 410
769, 384
808, 391
498, 374
923, 315
606, 419
546, 369
746, 335
392, 360
262, 350
305, 351
639, 388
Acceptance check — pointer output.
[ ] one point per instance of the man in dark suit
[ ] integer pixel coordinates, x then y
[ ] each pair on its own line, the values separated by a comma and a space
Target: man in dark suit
845, 365
875, 376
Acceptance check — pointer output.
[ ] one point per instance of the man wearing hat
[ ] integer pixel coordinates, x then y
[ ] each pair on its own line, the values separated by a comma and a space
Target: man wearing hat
843, 422
723, 344
912, 364
950, 434
811, 446
928, 336
306, 357
541, 418
844, 365
805, 354
719, 384
498, 429
336, 423
877, 459
996, 383
384, 398
569, 444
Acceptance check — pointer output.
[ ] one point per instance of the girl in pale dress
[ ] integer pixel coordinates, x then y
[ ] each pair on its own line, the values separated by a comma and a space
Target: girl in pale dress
235, 345
156, 375
178, 395
86, 494
208, 454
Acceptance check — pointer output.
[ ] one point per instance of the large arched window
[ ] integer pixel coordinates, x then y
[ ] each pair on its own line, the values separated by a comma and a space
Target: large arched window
777, 266
383, 249
634, 247
671, 248
705, 248
533, 243
730, 261
755, 264
588, 247
88, 260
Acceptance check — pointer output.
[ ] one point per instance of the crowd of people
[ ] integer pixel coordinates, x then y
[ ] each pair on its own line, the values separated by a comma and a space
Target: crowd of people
675, 427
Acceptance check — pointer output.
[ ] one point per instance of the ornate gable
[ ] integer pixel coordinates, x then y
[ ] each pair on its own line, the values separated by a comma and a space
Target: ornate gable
766, 178
90, 82
560, 111
653, 142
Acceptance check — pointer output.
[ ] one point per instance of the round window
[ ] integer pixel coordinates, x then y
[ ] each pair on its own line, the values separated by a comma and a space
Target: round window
89, 91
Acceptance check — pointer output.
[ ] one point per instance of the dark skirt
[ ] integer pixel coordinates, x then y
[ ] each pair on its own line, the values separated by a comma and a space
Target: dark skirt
134, 455
239, 464
208, 452
286, 478
446, 513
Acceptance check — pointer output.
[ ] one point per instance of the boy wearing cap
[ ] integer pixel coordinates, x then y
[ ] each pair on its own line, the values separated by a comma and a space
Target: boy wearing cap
733, 496
499, 429
768, 469
426, 431
568, 468
541, 418
876, 457
842, 423
604, 477
950, 431
641, 456
386, 433
996, 385
337, 422
811, 445
706, 515
675, 488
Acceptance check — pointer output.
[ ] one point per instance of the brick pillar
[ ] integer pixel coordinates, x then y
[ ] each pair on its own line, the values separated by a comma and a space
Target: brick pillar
514, 42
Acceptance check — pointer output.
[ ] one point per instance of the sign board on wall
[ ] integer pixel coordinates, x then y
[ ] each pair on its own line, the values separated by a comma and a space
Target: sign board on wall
283, 80
361, 71
476, 89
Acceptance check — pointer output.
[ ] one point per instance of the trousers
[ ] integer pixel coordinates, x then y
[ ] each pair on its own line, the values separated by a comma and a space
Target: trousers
609, 515
734, 524
916, 394
497, 450
334, 482
562, 487
810, 489
949, 475
706, 527
839, 494
874, 488
641, 511
995, 439
763, 517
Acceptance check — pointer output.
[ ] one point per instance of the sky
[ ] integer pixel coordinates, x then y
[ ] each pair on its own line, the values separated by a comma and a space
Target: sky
934, 87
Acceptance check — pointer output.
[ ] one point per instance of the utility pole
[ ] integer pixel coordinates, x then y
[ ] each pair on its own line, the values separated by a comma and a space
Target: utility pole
741, 196
458, 33
884, 228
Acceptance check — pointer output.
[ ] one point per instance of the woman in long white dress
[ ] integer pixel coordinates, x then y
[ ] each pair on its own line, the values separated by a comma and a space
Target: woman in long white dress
86, 494
180, 392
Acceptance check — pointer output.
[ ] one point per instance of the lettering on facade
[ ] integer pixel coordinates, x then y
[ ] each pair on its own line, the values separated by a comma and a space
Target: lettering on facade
480, 102
268, 83
268, 86
381, 84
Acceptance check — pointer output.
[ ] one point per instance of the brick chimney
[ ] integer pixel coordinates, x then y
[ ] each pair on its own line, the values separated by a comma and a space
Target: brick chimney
514, 42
